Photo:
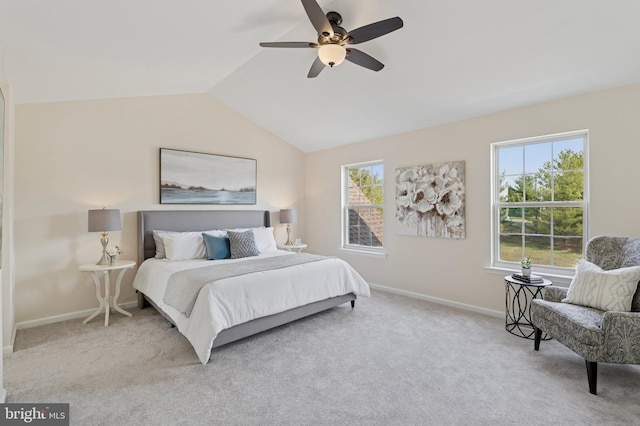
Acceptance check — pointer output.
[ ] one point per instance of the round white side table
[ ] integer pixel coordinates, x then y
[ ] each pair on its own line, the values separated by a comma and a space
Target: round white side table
106, 301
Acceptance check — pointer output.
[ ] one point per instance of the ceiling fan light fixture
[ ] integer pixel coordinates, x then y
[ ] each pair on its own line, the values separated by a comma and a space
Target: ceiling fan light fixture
332, 54
332, 39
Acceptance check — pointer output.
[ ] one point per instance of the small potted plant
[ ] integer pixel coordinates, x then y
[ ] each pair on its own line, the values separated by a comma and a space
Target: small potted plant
525, 263
112, 254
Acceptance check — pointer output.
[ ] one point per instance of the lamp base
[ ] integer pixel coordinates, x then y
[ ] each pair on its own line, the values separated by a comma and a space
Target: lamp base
288, 243
104, 260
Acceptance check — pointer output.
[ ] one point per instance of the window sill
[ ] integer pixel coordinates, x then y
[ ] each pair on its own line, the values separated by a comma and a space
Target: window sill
368, 253
561, 280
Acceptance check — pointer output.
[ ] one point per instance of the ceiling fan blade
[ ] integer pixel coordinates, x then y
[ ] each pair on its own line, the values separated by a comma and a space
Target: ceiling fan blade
288, 44
318, 18
375, 30
316, 68
358, 57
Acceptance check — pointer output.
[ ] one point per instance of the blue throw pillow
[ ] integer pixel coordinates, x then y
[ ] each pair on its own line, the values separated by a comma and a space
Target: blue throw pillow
217, 247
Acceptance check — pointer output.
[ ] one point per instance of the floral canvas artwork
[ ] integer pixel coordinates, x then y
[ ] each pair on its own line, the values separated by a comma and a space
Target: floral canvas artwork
430, 200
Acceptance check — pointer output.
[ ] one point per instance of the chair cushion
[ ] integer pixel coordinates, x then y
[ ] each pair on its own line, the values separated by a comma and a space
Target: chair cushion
572, 325
606, 290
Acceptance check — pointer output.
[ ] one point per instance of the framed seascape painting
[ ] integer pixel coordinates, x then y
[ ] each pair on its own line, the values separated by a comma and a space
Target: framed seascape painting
198, 178
430, 200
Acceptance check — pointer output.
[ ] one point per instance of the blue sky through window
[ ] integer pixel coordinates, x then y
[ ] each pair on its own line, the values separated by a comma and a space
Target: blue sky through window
531, 158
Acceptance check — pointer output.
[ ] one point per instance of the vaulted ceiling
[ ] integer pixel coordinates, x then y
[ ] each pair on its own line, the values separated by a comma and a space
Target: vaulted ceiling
454, 59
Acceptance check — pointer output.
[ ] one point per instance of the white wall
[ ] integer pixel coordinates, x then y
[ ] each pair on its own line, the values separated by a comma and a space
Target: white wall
454, 269
74, 156
8, 267
6, 273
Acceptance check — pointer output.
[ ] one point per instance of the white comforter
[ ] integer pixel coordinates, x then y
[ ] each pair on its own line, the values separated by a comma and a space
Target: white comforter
236, 300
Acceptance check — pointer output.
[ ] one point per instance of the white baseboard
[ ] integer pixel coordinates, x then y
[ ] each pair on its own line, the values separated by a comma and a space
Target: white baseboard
438, 300
9, 348
54, 319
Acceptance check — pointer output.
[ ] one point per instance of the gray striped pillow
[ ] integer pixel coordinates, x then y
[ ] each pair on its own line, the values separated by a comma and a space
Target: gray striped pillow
242, 244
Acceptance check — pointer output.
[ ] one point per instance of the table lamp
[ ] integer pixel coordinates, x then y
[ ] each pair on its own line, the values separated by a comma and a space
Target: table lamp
103, 221
288, 217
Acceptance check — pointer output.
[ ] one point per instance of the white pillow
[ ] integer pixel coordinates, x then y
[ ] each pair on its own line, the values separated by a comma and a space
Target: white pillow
264, 239
160, 250
605, 290
183, 245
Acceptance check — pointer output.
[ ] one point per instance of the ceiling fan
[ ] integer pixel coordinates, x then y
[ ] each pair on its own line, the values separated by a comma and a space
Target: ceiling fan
332, 39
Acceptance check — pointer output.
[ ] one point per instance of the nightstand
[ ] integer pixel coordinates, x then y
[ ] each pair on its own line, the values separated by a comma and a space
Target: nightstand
294, 247
107, 302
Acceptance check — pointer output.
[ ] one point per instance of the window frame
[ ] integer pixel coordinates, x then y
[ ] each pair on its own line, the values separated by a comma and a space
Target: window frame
345, 205
496, 204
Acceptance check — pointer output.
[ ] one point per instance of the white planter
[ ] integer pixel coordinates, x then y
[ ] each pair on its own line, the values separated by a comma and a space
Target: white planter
526, 272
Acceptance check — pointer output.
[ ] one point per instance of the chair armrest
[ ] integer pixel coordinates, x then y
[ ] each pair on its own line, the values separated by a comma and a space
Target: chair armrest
622, 334
615, 321
554, 293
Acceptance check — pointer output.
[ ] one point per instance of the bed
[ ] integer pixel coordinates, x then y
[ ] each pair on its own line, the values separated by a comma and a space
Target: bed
295, 291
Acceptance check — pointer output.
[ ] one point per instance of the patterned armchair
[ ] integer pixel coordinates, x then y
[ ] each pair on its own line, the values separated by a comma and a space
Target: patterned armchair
596, 335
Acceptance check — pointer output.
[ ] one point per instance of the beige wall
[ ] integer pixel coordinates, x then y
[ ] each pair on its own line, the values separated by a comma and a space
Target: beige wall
454, 269
74, 156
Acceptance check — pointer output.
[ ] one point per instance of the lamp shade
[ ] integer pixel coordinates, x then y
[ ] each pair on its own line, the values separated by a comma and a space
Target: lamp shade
104, 220
288, 216
332, 54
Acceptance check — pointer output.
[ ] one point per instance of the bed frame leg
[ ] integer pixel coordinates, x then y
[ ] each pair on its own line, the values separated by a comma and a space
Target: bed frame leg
353, 304
142, 302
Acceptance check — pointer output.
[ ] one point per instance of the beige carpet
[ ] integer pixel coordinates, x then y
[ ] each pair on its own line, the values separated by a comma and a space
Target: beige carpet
391, 361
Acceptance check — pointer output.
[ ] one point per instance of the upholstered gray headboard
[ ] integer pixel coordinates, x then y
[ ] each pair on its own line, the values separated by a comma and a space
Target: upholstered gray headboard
192, 220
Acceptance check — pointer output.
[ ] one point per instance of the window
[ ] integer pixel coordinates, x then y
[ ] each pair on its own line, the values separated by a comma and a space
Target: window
540, 201
363, 200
